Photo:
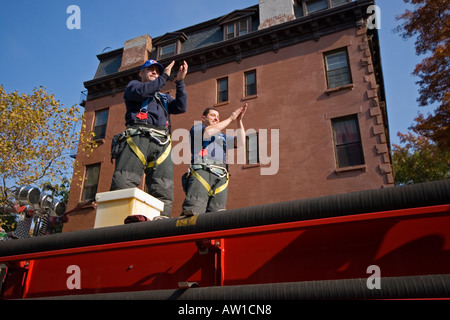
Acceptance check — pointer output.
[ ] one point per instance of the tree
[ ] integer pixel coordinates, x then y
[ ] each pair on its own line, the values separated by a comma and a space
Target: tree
420, 160
430, 22
36, 138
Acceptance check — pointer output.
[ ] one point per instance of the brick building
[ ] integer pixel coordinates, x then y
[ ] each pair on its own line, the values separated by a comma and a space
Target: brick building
310, 71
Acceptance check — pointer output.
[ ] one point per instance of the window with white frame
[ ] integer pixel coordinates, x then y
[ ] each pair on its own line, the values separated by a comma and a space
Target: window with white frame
337, 68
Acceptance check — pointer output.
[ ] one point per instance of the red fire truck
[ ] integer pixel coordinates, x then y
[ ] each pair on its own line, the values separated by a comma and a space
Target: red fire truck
391, 243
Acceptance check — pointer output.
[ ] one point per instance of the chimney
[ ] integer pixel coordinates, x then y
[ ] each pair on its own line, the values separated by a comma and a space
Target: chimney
136, 52
272, 12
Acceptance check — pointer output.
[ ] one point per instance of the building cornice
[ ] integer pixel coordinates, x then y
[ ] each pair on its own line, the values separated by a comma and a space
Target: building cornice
310, 27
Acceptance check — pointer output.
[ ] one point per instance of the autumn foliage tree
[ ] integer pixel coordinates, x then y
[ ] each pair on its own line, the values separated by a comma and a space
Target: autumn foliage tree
430, 24
36, 138
419, 160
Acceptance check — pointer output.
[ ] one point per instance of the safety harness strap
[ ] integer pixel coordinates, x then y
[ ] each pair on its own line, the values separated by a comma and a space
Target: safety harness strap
161, 158
136, 150
222, 187
141, 156
211, 192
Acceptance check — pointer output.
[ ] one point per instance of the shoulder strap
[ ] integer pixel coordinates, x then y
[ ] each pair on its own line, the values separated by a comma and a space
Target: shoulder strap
144, 105
163, 101
162, 98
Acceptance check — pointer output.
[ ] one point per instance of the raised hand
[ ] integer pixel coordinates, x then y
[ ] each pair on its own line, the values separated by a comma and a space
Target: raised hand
168, 69
182, 71
243, 109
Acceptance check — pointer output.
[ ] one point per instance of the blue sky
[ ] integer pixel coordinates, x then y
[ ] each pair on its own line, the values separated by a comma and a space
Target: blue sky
39, 50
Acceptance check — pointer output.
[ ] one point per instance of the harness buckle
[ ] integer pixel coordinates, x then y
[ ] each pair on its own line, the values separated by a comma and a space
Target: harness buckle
156, 135
162, 134
217, 170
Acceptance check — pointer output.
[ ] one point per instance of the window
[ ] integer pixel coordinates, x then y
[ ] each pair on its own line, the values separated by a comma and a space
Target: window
335, 3
316, 5
101, 119
169, 44
167, 50
337, 68
243, 27
250, 83
298, 9
222, 90
236, 29
304, 7
347, 142
252, 148
229, 32
91, 182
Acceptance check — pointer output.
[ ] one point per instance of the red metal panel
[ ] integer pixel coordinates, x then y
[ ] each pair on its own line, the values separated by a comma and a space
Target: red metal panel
400, 243
15, 279
144, 267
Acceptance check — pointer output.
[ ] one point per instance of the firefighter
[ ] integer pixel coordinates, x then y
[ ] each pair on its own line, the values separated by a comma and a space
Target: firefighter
145, 146
206, 182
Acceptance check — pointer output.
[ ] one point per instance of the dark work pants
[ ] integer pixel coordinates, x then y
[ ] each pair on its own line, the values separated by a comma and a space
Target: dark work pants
197, 198
158, 179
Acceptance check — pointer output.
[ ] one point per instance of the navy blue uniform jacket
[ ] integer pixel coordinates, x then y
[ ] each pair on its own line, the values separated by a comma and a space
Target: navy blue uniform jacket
137, 92
214, 148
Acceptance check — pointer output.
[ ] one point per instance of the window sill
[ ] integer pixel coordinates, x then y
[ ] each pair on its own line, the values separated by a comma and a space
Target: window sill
253, 96
221, 104
346, 87
253, 165
361, 167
